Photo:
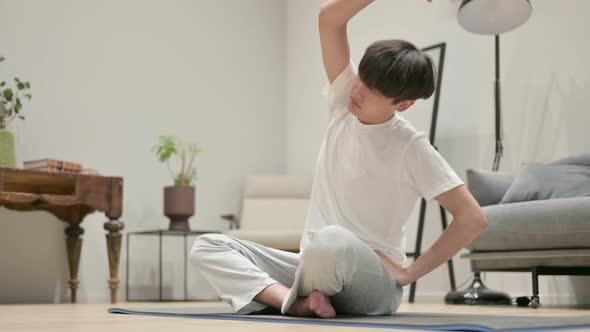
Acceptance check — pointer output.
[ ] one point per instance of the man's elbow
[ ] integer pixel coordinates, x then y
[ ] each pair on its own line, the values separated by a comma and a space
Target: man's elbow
475, 220
481, 221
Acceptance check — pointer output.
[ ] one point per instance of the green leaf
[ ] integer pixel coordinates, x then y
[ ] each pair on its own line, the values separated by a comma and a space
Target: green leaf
28, 85
166, 148
16, 79
28, 96
2, 84
165, 155
21, 117
8, 94
20, 85
178, 181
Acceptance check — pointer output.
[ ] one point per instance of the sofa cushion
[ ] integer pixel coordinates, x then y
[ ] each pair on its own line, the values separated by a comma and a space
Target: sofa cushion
537, 181
278, 186
582, 159
272, 214
283, 240
488, 187
548, 224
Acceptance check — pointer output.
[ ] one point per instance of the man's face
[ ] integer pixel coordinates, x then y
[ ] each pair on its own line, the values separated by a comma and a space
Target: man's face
370, 107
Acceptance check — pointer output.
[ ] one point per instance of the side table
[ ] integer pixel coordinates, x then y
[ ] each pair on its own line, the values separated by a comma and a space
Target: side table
160, 234
70, 197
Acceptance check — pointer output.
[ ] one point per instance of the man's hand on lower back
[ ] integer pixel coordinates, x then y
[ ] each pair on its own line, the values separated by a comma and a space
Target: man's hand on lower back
400, 274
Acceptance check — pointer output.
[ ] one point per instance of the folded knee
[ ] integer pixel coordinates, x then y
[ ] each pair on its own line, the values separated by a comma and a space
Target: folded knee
330, 243
204, 245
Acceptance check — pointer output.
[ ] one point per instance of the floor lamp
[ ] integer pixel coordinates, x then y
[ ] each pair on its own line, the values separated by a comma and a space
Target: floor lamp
490, 17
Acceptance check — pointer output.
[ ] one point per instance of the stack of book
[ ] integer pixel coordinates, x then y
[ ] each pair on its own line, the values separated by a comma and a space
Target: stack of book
53, 166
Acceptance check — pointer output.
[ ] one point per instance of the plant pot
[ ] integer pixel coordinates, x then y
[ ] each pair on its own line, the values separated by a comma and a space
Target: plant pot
179, 206
7, 158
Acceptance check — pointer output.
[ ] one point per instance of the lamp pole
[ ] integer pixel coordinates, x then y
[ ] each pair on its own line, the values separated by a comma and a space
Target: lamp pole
490, 17
499, 148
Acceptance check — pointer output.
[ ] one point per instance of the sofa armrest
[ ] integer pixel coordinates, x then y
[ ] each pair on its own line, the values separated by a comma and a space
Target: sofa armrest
488, 187
543, 224
234, 221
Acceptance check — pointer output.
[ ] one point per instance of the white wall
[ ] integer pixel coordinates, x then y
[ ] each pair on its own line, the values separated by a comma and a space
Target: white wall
545, 81
109, 77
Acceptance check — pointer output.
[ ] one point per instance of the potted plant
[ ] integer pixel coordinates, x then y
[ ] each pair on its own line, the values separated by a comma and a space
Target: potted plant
179, 199
11, 103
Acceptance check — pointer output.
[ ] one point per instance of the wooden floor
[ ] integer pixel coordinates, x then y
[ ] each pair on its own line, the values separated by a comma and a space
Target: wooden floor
94, 318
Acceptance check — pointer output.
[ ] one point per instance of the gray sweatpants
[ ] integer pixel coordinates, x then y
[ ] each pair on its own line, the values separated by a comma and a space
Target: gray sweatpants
335, 262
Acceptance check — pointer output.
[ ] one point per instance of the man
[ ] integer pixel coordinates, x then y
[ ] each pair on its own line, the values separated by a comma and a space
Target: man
372, 168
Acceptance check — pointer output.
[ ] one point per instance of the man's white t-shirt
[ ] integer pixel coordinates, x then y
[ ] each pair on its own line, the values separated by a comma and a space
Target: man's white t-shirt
369, 177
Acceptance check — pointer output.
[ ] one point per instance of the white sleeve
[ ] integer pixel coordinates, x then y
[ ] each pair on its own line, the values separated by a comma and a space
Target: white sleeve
427, 171
338, 92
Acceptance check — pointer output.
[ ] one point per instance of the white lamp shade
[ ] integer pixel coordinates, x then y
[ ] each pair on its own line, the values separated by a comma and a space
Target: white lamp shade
492, 17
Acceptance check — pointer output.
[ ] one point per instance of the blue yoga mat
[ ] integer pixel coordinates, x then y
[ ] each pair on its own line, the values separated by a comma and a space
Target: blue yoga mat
401, 320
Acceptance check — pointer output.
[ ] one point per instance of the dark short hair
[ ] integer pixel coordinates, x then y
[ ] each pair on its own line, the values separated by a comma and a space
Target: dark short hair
397, 69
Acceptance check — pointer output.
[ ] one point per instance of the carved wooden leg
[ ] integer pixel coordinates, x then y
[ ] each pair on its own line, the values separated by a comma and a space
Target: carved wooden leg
74, 247
114, 251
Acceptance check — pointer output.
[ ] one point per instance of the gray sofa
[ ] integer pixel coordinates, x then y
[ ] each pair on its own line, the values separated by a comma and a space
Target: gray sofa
543, 236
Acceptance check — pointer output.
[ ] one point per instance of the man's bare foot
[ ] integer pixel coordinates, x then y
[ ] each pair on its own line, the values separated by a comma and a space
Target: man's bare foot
316, 304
